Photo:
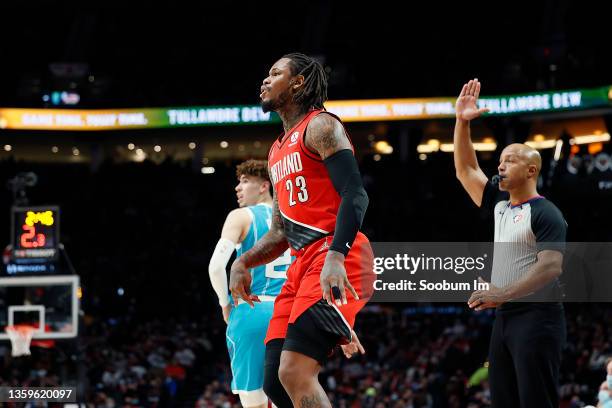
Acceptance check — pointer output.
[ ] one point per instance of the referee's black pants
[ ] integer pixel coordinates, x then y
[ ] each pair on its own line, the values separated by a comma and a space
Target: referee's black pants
525, 355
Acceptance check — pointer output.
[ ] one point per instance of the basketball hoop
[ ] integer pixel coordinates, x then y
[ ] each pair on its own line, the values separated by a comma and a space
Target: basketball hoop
21, 336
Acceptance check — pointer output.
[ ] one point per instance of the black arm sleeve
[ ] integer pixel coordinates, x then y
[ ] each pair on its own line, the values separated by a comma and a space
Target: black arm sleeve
345, 176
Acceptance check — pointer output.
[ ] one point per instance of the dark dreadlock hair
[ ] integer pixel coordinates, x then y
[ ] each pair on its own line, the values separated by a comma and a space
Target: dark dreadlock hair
314, 92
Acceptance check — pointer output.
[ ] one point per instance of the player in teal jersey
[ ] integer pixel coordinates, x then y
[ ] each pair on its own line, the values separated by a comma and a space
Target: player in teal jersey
247, 326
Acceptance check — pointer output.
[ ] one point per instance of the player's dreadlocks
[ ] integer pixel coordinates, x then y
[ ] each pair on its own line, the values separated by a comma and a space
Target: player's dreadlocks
314, 92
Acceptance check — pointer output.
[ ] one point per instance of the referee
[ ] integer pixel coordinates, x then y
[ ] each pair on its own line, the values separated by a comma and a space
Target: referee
527, 338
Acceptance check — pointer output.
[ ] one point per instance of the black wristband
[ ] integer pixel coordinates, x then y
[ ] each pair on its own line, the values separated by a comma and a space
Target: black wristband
345, 176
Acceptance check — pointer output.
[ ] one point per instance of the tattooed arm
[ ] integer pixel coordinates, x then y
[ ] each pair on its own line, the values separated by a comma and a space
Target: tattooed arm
266, 250
325, 136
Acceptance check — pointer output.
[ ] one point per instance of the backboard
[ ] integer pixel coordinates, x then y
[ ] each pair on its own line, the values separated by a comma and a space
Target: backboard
50, 303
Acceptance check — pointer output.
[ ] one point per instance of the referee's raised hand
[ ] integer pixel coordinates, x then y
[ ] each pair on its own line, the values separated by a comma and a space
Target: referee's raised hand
466, 107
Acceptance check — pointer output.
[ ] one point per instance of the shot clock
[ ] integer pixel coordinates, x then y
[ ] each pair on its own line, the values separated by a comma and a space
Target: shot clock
35, 233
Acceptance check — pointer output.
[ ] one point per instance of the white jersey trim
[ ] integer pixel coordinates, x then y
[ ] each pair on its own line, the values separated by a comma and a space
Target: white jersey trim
305, 225
343, 319
263, 298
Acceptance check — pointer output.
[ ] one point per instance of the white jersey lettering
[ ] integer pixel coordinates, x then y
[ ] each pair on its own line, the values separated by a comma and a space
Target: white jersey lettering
289, 164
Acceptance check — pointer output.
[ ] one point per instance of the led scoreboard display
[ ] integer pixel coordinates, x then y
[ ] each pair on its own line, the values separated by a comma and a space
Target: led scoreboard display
35, 233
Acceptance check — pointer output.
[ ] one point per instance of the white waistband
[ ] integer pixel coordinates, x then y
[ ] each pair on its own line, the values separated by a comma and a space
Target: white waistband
263, 298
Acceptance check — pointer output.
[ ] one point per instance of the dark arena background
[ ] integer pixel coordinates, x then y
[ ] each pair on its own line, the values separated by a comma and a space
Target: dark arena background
124, 127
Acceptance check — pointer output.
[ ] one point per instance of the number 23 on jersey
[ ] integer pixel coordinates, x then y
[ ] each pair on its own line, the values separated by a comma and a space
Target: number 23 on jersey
297, 188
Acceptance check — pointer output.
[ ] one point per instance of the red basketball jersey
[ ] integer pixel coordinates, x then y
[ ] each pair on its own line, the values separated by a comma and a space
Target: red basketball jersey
306, 196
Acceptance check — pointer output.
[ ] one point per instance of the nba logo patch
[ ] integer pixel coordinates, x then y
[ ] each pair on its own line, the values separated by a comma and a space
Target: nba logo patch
294, 138
517, 218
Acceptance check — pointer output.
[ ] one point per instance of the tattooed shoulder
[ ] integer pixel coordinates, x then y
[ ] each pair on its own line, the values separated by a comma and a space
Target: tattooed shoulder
325, 135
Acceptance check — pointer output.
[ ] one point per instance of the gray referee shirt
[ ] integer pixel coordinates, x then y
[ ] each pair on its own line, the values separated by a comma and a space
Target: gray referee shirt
521, 231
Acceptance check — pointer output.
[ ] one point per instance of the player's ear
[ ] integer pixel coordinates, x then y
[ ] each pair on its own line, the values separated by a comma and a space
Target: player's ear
265, 186
297, 82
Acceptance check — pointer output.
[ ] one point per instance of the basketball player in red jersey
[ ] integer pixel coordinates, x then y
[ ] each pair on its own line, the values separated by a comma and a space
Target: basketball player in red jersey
319, 204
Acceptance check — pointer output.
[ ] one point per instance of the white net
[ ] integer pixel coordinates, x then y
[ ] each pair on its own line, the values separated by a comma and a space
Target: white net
21, 337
